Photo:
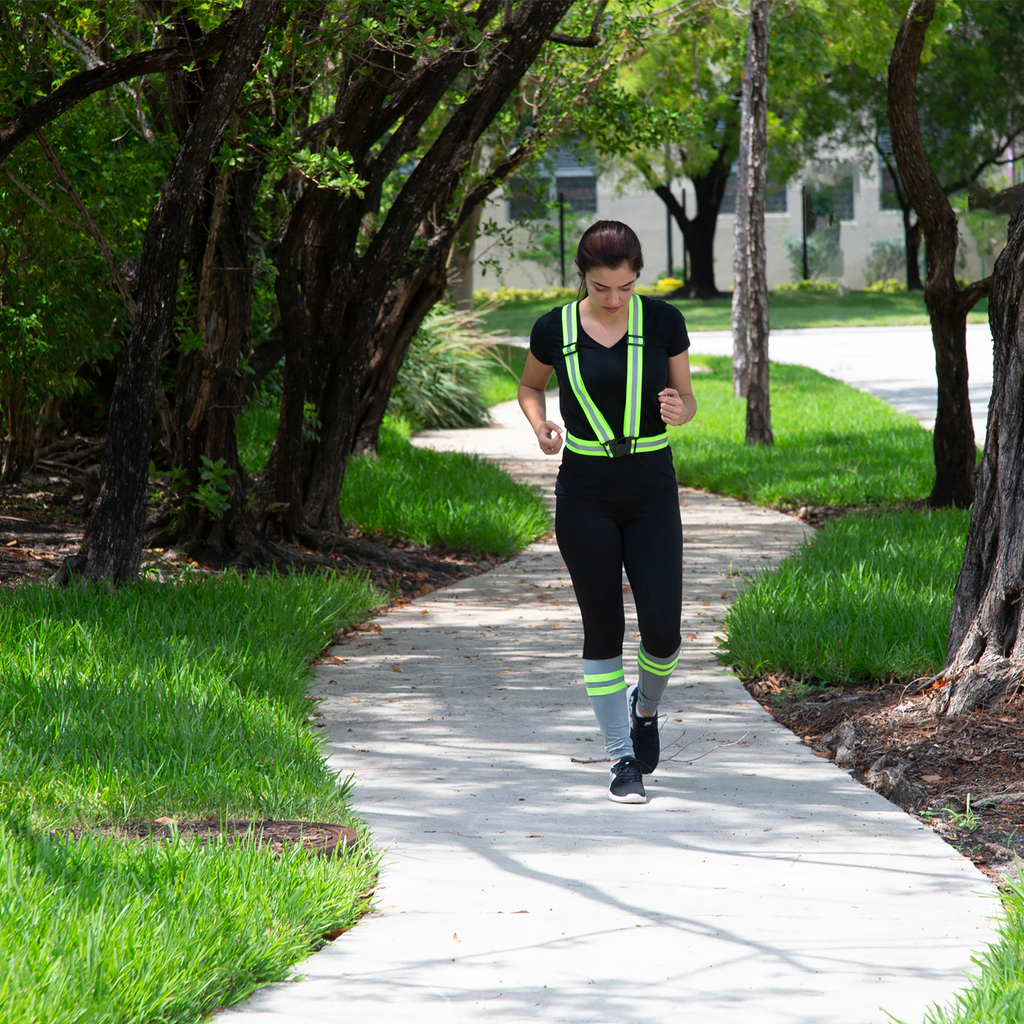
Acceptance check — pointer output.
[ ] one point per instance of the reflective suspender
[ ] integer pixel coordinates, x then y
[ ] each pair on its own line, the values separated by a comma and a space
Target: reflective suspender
607, 443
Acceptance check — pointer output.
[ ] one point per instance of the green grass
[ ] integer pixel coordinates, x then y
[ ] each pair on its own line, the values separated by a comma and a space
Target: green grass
996, 994
431, 497
420, 495
785, 309
153, 700
506, 369
834, 444
868, 597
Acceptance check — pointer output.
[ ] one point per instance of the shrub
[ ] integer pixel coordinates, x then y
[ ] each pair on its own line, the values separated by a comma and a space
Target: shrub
890, 286
887, 259
441, 381
809, 286
504, 295
824, 256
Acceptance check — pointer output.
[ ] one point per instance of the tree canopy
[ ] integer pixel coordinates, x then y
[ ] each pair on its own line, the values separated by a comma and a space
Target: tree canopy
365, 137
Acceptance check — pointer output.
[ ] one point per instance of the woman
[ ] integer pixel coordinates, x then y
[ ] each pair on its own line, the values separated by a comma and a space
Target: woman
623, 374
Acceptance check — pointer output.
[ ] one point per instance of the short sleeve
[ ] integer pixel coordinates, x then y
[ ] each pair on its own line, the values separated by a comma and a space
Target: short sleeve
545, 336
677, 338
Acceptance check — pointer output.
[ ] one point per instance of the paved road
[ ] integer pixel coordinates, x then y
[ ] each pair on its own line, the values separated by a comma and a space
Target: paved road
895, 363
759, 884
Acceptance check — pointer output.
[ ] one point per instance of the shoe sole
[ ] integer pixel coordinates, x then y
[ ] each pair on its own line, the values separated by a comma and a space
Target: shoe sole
629, 798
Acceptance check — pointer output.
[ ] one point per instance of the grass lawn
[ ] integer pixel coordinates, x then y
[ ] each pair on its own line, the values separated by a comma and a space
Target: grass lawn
184, 701
996, 995
421, 495
432, 497
868, 597
834, 444
786, 310
503, 380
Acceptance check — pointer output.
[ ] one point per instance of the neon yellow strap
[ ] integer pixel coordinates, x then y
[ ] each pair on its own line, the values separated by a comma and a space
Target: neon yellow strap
572, 364
634, 381
640, 444
634, 367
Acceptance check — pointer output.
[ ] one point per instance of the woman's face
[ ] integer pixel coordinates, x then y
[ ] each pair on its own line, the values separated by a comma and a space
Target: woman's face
610, 290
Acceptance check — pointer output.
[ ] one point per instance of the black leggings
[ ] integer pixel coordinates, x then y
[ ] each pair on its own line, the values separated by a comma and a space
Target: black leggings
597, 537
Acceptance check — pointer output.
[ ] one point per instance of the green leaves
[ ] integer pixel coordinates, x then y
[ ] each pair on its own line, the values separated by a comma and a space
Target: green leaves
213, 493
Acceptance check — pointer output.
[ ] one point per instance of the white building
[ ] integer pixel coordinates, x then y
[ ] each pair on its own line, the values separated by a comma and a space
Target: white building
862, 203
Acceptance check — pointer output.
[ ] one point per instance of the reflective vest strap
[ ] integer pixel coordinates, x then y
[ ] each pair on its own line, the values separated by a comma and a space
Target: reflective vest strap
634, 367
572, 364
640, 444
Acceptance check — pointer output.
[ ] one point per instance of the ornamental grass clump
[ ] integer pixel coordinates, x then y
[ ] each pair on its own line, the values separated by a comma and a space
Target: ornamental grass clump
442, 378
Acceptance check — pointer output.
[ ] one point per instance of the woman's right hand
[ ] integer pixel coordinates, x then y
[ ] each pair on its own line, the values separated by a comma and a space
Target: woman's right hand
549, 436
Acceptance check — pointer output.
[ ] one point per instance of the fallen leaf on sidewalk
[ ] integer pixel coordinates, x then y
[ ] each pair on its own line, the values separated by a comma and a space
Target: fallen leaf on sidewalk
691, 636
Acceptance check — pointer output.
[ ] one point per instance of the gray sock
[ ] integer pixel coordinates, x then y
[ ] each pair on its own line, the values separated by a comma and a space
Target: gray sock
654, 676
606, 688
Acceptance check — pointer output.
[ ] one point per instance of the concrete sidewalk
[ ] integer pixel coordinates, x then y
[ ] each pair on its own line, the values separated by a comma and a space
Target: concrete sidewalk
759, 884
894, 363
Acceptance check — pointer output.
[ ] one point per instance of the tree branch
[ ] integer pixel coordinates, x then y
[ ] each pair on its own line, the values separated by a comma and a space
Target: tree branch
1006, 201
973, 294
74, 225
591, 40
85, 83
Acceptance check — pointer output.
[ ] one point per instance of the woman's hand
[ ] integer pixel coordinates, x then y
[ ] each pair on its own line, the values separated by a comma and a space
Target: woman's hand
549, 436
673, 411
678, 406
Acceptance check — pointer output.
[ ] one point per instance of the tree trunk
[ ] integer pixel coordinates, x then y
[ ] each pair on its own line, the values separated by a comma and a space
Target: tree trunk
460, 264
698, 231
210, 381
349, 308
750, 305
114, 537
912, 244
740, 251
953, 443
985, 651
460, 267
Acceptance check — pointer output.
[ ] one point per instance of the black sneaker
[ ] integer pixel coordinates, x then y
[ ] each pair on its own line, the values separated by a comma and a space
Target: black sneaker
626, 783
644, 734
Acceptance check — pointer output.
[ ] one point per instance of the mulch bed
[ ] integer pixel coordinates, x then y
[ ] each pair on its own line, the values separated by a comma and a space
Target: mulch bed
315, 837
962, 777
43, 519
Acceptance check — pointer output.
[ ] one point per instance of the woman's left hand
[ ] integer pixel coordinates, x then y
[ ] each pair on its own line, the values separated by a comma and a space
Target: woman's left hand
672, 410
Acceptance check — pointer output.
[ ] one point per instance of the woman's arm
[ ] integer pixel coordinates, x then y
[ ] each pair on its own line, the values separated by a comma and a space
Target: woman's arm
678, 406
534, 405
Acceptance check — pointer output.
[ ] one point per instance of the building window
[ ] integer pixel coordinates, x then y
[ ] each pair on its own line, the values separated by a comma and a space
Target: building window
527, 198
532, 197
831, 202
774, 197
887, 197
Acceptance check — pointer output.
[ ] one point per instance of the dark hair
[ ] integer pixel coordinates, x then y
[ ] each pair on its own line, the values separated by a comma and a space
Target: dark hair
609, 244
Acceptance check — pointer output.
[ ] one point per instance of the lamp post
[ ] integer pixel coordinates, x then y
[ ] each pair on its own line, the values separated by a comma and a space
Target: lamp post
561, 234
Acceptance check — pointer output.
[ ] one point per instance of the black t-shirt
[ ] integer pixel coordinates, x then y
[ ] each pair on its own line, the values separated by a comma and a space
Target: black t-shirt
604, 372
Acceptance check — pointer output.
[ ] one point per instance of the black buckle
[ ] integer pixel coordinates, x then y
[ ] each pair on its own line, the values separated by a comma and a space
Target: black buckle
619, 446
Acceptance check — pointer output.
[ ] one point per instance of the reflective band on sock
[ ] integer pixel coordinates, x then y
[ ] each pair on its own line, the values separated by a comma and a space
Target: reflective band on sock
604, 682
658, 668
